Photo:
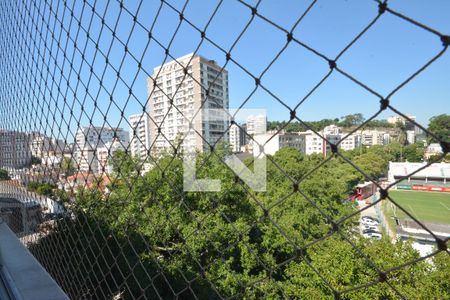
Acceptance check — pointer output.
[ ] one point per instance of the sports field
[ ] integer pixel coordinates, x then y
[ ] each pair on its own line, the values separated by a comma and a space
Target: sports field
432, 207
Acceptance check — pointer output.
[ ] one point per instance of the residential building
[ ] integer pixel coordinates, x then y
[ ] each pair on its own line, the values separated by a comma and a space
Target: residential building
411, 136
237, 137
256, 124
351, 142
139, 135
343, 141
400, 119
40, 144
184, 92
332, 130
395, 120
432, 150
410, 123
374, 137
105, 153
43, 146
88, 139
15, 150
310, 142
313, 143
82, 180
271, 142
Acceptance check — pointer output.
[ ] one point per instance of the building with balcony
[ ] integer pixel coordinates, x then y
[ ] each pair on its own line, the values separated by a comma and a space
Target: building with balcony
89, 140
256, 124
44, 146
15, 150
237, 137
139, 135
181, 92
271, 142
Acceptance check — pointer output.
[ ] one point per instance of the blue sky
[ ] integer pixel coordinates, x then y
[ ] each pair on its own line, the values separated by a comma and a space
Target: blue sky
384, 57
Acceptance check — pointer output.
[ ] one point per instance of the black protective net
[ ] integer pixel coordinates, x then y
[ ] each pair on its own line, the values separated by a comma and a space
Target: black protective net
108, 214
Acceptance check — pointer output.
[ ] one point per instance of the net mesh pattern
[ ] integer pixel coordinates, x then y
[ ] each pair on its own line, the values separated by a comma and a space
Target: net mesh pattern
133, 233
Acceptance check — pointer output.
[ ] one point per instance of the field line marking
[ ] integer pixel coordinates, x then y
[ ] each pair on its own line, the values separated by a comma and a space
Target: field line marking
444, 205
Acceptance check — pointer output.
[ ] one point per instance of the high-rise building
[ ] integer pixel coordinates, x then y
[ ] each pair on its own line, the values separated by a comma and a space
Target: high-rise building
237, 137
139, 135
181, 92
15, 149
89, 139
411, 136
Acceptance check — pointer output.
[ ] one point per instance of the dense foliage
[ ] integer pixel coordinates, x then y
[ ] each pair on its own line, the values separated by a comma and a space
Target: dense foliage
256, 245
347, 121
44, 188
440, 127
4, 175
36, 160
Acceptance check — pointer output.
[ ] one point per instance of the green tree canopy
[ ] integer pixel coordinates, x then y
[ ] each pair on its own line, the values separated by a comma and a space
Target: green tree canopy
440, 127
4, 175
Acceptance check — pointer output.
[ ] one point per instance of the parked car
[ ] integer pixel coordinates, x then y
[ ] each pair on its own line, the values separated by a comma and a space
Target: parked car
369, 222
372, 234
370, 218
371, 227
370, 231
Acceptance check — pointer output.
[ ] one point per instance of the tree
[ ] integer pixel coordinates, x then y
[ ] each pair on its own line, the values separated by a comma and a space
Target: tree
235, 237
414, 152
44, 189
379, 123
35, 160
372, 164
352, 120
67, 166
4, 175
440, 127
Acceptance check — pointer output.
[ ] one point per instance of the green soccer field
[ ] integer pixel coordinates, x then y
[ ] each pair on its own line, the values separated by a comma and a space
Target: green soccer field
433, 207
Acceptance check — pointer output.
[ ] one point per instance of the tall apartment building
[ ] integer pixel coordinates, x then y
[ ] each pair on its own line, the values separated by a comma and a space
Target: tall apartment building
411, 136
15, 150
139, 135
256, 124
177, 93
237, 137
89, 139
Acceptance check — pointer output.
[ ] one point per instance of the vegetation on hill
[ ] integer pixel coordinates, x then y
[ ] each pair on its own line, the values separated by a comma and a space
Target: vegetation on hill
155, 239
347, 121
